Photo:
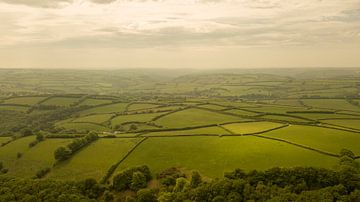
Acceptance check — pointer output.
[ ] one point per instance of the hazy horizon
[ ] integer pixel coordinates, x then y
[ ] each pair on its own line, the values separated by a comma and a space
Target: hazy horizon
192, 34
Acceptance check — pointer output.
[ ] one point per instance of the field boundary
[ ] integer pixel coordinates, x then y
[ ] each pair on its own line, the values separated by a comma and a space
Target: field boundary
113, 168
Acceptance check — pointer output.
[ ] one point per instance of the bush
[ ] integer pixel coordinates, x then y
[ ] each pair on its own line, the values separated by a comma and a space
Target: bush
123, 180
138, 181
41, 173
146, 195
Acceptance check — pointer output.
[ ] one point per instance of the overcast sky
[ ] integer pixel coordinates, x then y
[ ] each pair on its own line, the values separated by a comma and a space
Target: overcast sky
179, 33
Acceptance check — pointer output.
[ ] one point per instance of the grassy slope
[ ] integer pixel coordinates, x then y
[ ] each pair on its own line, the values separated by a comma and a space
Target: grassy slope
24, 100
208, 130
251, 127
36, 158
213, 155
194, 117
320, 138
134, 118
94, 160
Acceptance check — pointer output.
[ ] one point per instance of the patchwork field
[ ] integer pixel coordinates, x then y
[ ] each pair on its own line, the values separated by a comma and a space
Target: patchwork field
94, 160
194, 117
211, 123
134, 118
36, 158
251, 127
61, 101
95, 102
214, 155
111, 108
325, 139
24, 100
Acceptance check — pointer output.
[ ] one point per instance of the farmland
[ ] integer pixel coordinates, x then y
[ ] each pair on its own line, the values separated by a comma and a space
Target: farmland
212, 123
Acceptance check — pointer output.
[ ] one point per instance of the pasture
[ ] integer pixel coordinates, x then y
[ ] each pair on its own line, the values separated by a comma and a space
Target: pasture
94, 160
325, 139
213, 156
194, 117
24, 100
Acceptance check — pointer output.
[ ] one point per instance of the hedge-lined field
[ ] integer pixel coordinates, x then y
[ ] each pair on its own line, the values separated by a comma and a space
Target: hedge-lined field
325, 139
36, 158
60, 101
215, 155
94, 160
194, 117
251, 127
215, 130
345, 122
111, 108
24, 100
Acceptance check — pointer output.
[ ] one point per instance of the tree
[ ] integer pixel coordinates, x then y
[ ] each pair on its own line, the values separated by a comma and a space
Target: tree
39, 137
138, 181
181, 184
61, 154
146, 195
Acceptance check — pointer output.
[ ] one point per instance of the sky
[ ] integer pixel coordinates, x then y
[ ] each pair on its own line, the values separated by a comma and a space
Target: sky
100, 34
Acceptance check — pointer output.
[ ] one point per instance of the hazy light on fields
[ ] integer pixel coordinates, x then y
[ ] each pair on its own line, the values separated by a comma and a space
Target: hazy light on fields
179, 33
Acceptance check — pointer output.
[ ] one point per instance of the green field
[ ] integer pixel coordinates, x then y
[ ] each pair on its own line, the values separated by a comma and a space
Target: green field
94, 160
94, 102
139, 106
83, 127
214, 155
251, 127
194, 117
14, 108
212, 122
200, 131
4, 139
345, 122
337, 104
36, 158
134, 118
24, 100
111, 108
99, 118
61, 101
329, 140
8, 153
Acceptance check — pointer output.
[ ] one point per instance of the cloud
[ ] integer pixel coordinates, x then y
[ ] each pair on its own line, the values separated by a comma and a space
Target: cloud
172, 23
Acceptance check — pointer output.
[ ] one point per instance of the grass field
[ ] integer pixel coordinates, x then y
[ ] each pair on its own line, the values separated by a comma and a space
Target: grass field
194, 117
36, 158
319, 116
8, 153
14, 108
285, 118
345, 122
134, 118
241, 112
251, 127
24, 100
94, 102
336, 104
61, 101
210, 106
329, 140
214, 155
111, 108
94, 160
139, 106
98, 118
208, 130
4, 139
83, 127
